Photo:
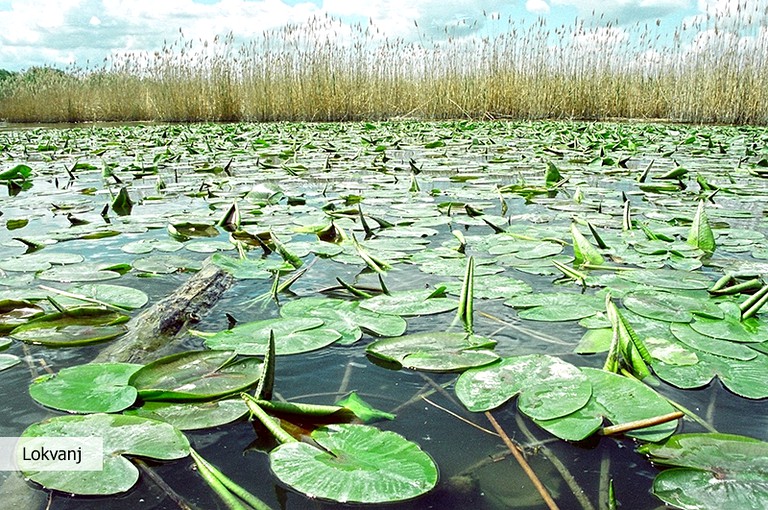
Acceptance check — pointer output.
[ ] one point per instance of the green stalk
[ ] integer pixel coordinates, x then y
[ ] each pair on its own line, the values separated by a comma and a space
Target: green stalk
721, 283
299, 408
280, 434
751, 300
267, 381
218, 487
228, 483
466, 306
355, 291
757, 306
754, 283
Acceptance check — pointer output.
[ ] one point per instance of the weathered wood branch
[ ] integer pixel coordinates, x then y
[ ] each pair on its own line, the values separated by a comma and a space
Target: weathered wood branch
152, 333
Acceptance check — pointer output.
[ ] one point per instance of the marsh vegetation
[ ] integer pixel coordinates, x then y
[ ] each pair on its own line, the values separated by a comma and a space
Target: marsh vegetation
712, 69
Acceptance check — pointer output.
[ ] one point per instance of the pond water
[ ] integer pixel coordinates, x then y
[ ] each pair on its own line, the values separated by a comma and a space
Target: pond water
416, 183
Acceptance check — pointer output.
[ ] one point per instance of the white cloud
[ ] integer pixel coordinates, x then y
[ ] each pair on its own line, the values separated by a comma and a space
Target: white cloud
537, 6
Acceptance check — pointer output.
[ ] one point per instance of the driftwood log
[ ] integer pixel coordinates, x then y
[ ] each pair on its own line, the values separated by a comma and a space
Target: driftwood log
152, 332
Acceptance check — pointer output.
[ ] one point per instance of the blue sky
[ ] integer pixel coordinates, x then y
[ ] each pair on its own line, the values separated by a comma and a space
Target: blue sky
84, 32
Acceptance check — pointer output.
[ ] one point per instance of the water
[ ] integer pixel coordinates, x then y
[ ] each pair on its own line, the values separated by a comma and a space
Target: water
475, 472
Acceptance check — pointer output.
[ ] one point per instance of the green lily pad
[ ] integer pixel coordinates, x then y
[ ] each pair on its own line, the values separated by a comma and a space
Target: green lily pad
250, 269
347, 317
723, 471
8, 360
556, 307
690, 337
121, 435
143, 246
76, 326
77, 273
193, 415
116, 295
409, 303
668, 307
743, 377
435, 352
357, 464
731, 327
35, 262
165, 264
196, 375
292, 336
14, 313
89, 388
620, 400
491, 287
667, 279
548, 387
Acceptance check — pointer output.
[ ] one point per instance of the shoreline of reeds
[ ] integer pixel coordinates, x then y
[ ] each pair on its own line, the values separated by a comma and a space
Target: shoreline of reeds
704, 73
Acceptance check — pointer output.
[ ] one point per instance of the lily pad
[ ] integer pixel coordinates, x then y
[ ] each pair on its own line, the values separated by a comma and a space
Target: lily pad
409, 303
357, 464
193, 415
196, 375
122, 435
89, 388
723, 471
693, 339
14, 313
250, 269
116, 295
73, 327
548, 387
435, 352
556, 306
8, 360
620, 400
668, 307
292, 336
743, 377
165, 264
347, 317
732, 327
667, 279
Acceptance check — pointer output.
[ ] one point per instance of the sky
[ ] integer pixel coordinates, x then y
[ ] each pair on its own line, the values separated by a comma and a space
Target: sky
85, 32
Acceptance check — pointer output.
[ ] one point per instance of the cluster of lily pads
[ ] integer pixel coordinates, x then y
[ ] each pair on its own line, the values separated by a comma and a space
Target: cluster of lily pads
646, 235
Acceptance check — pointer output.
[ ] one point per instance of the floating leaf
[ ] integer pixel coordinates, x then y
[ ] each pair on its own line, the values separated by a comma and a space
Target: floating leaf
121, 435
196, 375
347, 317
245, 269
409, 303
556, 307
13, 313
89, 388
667, 279
165, 264
731, 327
355, 464
436, 352
743, 377
75, 326
668, 307
8, 360
723, 471
620, 400
548, 387
193, 415
292, 336
116, 295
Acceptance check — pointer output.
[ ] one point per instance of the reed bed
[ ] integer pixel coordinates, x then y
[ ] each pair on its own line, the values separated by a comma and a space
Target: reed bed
713, 70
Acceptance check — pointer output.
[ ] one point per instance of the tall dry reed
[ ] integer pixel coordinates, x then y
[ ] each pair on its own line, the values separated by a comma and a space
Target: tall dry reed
711, 70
